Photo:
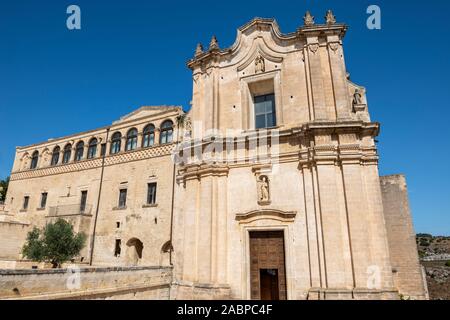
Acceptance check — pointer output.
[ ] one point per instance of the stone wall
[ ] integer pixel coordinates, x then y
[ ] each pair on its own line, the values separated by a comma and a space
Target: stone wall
407, 271
90, 283
12, 237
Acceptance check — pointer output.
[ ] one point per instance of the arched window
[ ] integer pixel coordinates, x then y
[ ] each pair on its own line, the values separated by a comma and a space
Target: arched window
34, 160
166, 132
79, 151
148, 138
116, 141
131, 140
92, 150
67, 153
55, 156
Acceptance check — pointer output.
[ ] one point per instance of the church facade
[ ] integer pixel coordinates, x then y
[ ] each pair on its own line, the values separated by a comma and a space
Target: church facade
268, 188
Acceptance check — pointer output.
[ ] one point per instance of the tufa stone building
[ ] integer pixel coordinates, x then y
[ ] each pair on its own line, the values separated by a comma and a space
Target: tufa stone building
268, 188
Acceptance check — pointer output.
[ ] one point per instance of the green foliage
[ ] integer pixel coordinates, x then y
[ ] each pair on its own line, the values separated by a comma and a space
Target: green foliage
424, 243
447, 264
3, 188
424, 235
56, 243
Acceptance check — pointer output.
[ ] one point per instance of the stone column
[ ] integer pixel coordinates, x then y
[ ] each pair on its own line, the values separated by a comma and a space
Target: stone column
316, 78
339, 77
139, 140
157, 135
205, 218
314, 232
123, 145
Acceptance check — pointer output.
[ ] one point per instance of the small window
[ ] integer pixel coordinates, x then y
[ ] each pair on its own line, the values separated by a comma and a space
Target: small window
26, 201
34, 160
116, 141
118, 224
79, 151
265, 111
131, 140
92, 150
43, 200
83, 201
67, 153
151, 193
148, 138
118, 248
55, 156
123, 198
166, 132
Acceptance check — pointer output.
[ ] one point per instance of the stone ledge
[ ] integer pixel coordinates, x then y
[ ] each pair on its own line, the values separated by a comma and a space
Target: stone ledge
91, 293
4, 272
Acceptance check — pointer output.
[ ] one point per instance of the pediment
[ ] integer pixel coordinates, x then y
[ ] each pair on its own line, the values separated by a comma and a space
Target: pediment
271, 214
147, 111
261, 36
256, 51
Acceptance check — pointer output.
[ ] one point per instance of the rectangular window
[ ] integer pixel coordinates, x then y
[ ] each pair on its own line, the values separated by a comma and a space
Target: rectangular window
43, 200
26, 201
265, 111
103, 149
117, 248
83, 201
123, 198
151, 193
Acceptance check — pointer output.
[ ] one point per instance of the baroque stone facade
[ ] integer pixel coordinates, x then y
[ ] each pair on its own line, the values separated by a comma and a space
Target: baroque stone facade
267, 188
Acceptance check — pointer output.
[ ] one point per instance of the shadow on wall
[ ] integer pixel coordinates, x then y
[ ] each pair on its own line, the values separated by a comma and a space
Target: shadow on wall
134, 251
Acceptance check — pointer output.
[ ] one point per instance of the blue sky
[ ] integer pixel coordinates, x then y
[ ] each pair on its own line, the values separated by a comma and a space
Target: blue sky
55, 82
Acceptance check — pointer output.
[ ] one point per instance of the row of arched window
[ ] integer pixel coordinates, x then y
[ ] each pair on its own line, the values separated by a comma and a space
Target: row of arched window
148, 140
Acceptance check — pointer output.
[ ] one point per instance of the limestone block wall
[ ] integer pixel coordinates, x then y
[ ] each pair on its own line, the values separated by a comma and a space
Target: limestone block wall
148, 223
94, 283
407, 271
12, 236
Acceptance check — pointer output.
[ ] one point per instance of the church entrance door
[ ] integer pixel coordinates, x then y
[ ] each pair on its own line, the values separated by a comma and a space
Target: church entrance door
267, 266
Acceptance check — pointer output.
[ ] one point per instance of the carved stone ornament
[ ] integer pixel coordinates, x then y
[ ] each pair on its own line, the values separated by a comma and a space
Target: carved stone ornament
187, 127
358, 103
213, 45
357, 97
259, 64
308, 19
334, 46
196, 77
263, 190
199, 49
330, 18
314, 47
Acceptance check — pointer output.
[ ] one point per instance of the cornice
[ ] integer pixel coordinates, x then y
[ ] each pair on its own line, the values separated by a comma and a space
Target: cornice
198, 171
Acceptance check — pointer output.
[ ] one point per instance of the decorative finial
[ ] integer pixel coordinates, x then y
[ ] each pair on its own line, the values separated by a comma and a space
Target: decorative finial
330, 18
308, 19
199, 49
213, 44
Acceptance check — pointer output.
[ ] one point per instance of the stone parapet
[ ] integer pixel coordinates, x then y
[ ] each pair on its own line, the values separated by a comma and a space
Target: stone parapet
87, 283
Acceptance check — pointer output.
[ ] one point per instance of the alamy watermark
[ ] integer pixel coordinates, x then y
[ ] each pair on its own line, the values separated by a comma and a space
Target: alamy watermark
374, 20
73, 21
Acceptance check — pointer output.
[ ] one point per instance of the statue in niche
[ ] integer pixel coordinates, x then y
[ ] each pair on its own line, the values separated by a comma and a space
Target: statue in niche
357, 97
259, 64
358, 103
263, 189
